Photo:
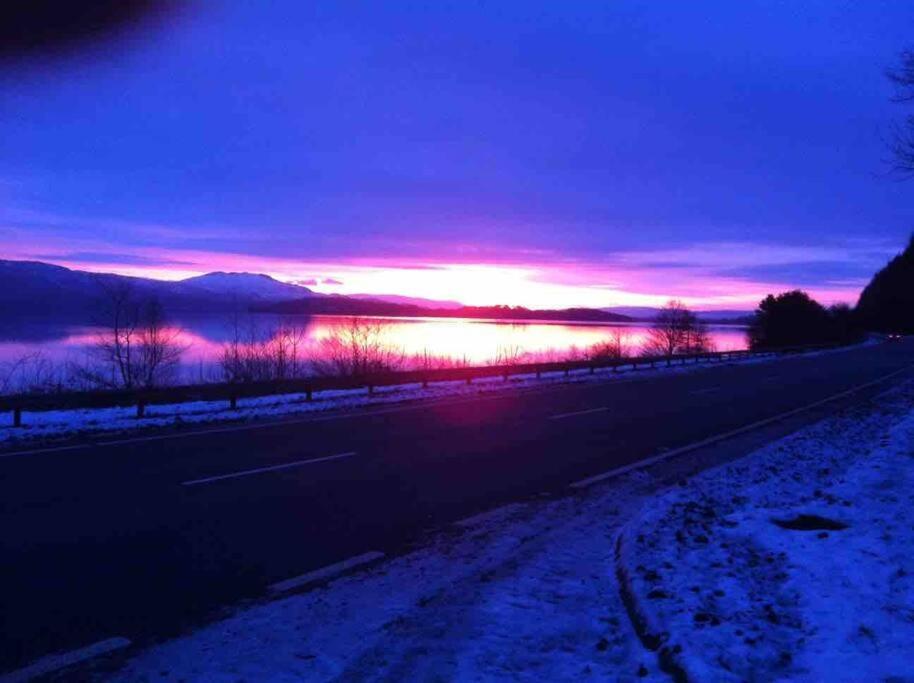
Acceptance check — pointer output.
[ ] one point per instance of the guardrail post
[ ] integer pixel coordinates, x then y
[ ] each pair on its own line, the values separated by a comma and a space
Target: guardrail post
425, 382
140, 408
17, 417
593, 369
505, 376
538, 374
233, 402
308, 394
469, 380
371, 389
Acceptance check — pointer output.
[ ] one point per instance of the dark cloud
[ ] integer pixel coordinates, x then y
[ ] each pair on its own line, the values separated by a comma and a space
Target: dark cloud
53, 27
105, 257
803, 274
331, 281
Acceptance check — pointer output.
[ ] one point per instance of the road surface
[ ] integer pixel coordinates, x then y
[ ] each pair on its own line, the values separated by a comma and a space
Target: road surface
146, 536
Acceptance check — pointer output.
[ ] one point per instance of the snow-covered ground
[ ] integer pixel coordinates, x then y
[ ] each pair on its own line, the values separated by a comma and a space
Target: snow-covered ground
734, 591
59, 423
535, 591
528, 593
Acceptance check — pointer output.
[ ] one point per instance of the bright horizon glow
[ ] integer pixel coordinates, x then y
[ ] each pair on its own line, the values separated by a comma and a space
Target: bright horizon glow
537, 285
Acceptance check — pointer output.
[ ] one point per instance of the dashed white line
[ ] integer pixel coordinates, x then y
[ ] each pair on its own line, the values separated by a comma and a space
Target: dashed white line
327, 572
665, 455
562, 416
51, 663
260, 470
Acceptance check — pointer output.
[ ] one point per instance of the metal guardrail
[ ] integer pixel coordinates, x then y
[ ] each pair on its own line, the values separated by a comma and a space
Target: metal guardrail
232, 392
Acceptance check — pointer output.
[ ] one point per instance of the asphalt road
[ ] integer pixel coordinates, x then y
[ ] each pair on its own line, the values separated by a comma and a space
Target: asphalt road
144, 537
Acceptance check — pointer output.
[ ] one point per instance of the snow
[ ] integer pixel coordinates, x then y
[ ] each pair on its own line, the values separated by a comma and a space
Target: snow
734, 596
525, 593
60, 423
247, 284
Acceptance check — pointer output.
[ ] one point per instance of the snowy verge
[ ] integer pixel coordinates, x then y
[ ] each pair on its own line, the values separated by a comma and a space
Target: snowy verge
795, 563
527, 592
61, 423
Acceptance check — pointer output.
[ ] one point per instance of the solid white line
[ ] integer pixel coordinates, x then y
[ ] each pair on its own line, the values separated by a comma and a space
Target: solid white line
51, 663
327, 572
259, 470
582, 483
562, 416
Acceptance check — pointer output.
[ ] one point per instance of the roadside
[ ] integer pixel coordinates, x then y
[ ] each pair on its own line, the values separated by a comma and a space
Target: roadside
796, 562
533, 591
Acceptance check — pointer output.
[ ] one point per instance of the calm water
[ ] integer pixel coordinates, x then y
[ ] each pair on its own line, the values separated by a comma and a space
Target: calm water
470, 341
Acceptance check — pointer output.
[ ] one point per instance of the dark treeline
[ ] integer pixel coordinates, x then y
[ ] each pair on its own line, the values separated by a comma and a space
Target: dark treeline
794, 318
341, 305
887, 302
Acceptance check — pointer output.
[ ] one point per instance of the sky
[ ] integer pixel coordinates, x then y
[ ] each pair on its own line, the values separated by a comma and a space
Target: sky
546, 154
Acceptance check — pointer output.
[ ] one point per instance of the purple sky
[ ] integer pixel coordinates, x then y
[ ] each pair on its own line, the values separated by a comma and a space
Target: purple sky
542, 153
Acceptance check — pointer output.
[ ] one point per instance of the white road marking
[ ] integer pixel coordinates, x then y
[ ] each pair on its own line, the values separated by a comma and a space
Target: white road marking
259, 470
327, 572
700, 392
665, 455
562, 416
51, 663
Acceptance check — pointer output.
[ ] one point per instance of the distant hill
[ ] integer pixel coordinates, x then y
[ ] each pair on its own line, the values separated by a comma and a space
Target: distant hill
649, 312
36, 289
43, 290
887, 302
408, 300
340, 305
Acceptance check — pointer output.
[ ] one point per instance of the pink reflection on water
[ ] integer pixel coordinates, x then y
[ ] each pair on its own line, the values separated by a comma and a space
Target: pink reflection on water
465, 341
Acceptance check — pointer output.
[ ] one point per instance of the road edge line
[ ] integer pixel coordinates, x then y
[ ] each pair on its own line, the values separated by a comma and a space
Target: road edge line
666, 455
55, 662
328, 572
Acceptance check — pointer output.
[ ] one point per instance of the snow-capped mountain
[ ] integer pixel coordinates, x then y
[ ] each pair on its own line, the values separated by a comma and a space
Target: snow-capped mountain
247, 286
34, 288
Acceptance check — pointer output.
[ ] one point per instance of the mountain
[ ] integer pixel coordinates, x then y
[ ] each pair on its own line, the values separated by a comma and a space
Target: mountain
247, 286
886, 304
408, 300
36, 289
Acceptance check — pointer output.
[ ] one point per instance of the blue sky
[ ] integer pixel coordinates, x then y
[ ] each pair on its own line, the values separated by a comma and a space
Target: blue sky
587, 152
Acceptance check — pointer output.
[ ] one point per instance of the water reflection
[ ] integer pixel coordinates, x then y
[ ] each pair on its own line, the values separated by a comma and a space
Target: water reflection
465, 341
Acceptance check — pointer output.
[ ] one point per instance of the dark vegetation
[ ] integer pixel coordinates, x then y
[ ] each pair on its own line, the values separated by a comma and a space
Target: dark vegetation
795, 319
887, 302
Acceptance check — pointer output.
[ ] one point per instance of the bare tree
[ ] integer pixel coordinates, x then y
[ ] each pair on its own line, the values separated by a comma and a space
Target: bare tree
901, 143
137, 348
254, 356
358, 348
509, 354
614, 346
676, 329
